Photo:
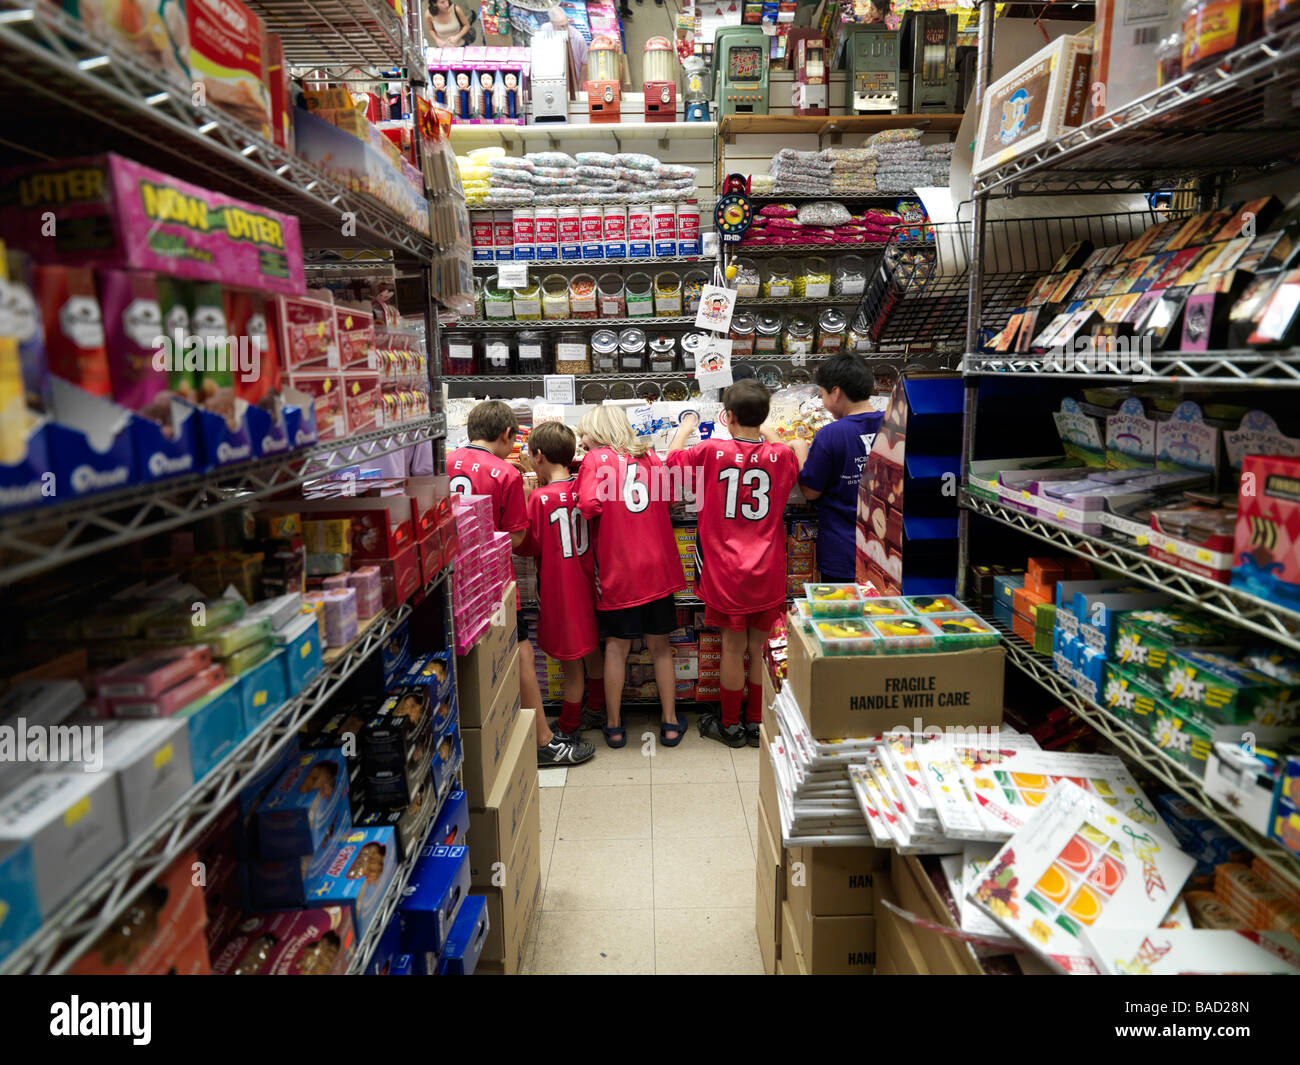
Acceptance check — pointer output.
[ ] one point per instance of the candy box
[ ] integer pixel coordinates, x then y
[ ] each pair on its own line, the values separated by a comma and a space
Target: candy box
1286, 824
361, 867
276, 882
18, 895
226, 60
302, 652
295, 814
263, 688
1130, 697
111, 211
1070, 868
1189, 952
1244, 781
1145, 638
1267, 544
1223, 690
316, 942
833, 600
153, 672
883, 606
438, 886
216, 724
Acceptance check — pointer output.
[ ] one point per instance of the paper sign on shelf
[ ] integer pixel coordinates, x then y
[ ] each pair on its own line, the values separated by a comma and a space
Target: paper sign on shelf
713, 363
560, 388
512, 275
716, 307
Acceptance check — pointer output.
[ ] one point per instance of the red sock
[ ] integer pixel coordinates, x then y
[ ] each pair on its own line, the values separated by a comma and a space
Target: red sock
596, 694
570, 717
731, 707
754, 708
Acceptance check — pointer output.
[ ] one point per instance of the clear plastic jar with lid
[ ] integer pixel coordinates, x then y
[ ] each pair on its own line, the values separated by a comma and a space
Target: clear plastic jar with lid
532, 351
1212, 28
604, 351
742, 335
622, 390
831, 329
850, 277
813, 278
779, 281
668, 294
496, 354
767, 334
640, 295
770, 376
527, 302
1169, 59
478, 297
692, 286
571, 353
798, 336
631, 350
459, 359
610, 296
690, 346
744, 277
663, 354
499, 302
582, 296
555, 296
858, 338
675, 391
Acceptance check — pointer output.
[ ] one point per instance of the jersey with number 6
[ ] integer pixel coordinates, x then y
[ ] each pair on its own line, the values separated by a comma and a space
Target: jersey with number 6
558, 535
741, 487
626, 500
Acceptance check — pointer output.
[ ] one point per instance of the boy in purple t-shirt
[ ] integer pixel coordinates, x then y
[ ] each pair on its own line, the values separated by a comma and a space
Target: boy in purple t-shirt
830, 470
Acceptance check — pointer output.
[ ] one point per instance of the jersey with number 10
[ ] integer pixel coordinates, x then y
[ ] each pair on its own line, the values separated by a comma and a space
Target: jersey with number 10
557, 534
741, 487
627, 501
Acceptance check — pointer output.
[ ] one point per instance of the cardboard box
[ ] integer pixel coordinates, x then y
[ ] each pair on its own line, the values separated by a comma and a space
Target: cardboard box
793, 962
767, 923
917, 894
833, 881
150, 763
481, 673
439, 886
486, 746
514, 904
226, 42
851, 697
767, 800
834, 946
494, 830
896, 938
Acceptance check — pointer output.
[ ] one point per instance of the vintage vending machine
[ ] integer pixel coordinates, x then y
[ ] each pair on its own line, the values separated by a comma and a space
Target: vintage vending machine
660, 81
811, 93
603, 82
931, 82
549, 75
871, 58
741, 70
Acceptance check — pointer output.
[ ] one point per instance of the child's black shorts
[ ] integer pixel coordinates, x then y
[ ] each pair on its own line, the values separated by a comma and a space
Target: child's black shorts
656, 618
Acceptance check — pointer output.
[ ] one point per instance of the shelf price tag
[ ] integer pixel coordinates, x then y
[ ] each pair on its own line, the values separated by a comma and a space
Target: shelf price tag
560, 388
512, 275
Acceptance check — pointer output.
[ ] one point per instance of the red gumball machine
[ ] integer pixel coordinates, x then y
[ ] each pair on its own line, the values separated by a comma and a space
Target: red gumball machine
660, 86
603, 80
811, 88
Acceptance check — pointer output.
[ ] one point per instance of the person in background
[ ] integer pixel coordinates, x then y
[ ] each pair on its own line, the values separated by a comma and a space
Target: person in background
741, 486
566, 578
445, 25
830, 470
577, 45
480, 468
623, 491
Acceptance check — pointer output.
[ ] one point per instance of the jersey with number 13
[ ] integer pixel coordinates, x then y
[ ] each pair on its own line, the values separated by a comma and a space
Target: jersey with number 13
558, 535
741, 487
627, 501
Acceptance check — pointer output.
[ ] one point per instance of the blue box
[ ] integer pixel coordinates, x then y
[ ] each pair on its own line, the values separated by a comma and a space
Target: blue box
615, 249
22, 484
1101, 612
302, 655
284, 882
433, 670
438, 886
1004, 615
386, 949
403, 965
447, 756
254, 790
395, 654
20, 913
464, 945
641, 249
1004, 590
1092, 664
158, 455
264, 689
451, 822
570, 252
525, 252
358, 875
296, 814
216, 724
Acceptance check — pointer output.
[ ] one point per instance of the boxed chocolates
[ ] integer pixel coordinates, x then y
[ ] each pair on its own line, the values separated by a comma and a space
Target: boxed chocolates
316, 942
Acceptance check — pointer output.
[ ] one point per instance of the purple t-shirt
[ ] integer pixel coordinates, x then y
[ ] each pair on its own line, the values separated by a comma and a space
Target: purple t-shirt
834, 468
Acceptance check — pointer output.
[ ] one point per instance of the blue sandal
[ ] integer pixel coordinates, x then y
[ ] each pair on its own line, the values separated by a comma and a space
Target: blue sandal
678, 727
615, 735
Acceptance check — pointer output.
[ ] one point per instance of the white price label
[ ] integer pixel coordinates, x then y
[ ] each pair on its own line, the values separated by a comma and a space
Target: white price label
460, 351
570, 351
512, 275
560, 388
716, 307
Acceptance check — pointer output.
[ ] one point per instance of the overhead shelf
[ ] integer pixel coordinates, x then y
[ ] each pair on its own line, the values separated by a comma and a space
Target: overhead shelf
81, 96
732, 126
341, 35
1246, 367
1236, 116
75, 926
1258, 615
42, 538
1140, 749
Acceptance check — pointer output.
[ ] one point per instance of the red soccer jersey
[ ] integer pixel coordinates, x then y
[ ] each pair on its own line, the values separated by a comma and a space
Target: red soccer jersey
557, 533
476, 471
740, 487
636, 552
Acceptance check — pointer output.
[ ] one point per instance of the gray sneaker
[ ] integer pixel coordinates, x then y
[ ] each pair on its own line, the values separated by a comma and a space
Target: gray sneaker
564, 751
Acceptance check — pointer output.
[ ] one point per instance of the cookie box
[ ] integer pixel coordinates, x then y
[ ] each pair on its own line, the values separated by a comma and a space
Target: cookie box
438, 887
464, 943
845, 636
1145, 638
294, 816
905, 635
18, 898
834, 600
959, 632
358, 874
316, 942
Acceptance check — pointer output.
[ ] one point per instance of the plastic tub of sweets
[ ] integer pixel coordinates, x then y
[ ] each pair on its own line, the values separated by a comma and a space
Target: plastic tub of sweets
885, 607
571, 354
692, 286
611, 296
604, 351
960, 631
640, 295
905, 635
555, 296
582, 296
935, 604
845, 636
668, 294
834, 600
527, 302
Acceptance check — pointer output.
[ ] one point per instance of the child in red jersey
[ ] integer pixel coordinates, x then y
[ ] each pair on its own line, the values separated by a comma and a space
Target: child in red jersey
558, 535
481, 469
741, 486
624, 491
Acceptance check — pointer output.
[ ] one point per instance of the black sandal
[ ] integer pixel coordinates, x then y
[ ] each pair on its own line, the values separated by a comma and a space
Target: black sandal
679, 727
615, 735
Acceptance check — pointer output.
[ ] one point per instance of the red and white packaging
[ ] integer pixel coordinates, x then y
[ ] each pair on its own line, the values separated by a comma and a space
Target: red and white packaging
356, 333
570, 233
481, 240
307, 331
153, 672
362, 401
665, 229
592, 221
324, 386
226, 37
277, 84
503, 235
525, 233
640, 231
688, 229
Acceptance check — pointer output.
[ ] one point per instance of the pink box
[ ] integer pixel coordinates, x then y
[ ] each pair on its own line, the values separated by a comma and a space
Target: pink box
178, 697
323, 387
110, 211
153, 672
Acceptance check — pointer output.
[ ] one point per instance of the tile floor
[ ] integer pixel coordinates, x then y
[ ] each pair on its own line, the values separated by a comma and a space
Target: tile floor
648, 860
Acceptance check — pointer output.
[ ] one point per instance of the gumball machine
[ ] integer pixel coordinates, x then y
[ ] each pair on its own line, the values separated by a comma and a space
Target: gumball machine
660, 84
697, 89
602, 80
